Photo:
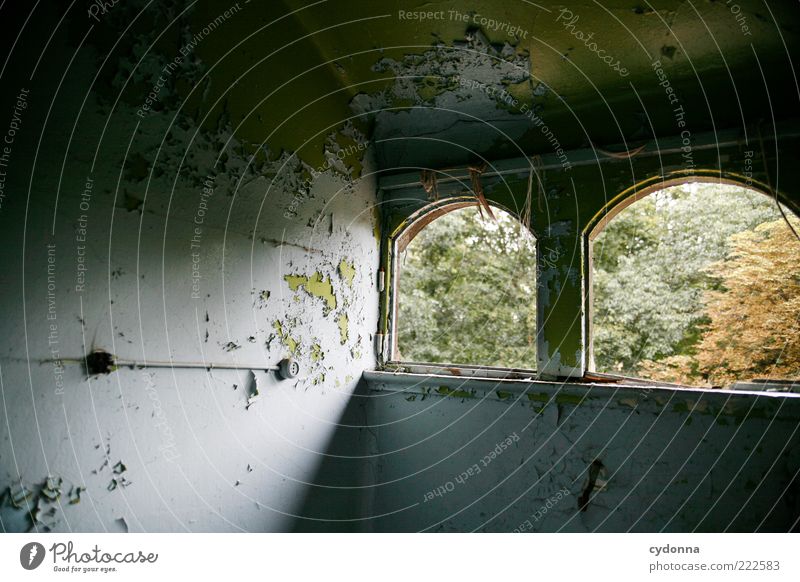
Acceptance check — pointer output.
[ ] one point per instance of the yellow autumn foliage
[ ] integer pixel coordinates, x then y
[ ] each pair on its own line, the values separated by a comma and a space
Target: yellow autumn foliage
755, 318
754, 329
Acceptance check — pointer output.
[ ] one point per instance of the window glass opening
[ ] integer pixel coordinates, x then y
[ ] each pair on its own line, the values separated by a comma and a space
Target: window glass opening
466, 292
699, 284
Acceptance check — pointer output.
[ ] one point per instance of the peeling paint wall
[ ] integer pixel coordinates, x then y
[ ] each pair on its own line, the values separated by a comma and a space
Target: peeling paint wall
554, 457
166, 237
199, 184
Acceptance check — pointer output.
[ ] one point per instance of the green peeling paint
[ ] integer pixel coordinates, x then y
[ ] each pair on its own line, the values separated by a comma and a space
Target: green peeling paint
541, 397
736, 410
432, 86
295, 281
286, 339
569, 399
297, 67
347, 272
316, 286
558, 398
316, 353
348, 144
343, 323
454, 392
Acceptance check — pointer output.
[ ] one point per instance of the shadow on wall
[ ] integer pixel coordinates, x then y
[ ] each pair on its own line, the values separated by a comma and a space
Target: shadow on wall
340, 499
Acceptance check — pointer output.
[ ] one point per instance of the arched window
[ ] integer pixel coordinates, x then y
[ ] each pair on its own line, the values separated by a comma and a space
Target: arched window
465, 289
699, 284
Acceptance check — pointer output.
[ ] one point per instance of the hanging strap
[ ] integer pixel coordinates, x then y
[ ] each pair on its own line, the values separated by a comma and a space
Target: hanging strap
475, 176
430, 185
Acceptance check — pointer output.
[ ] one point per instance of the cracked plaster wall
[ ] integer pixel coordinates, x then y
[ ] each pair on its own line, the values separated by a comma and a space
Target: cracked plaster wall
133, 272
201, 450
671, 461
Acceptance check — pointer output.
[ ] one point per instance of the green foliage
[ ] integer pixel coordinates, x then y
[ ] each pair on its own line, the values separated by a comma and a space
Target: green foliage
694, 284
652, 276
467, 292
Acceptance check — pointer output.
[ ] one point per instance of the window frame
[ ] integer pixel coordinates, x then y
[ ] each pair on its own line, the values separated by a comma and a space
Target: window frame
397, 242
612, 210
564, 350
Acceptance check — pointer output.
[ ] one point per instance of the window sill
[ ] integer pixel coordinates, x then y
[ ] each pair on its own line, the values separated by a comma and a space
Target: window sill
460, 370
590, 378
630, 394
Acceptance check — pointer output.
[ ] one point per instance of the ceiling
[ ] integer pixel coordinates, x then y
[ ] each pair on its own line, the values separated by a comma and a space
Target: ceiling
475, 79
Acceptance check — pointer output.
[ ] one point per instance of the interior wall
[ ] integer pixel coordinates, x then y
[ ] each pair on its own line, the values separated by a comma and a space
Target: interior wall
673, 460
465, 455
165, 237
132, 127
